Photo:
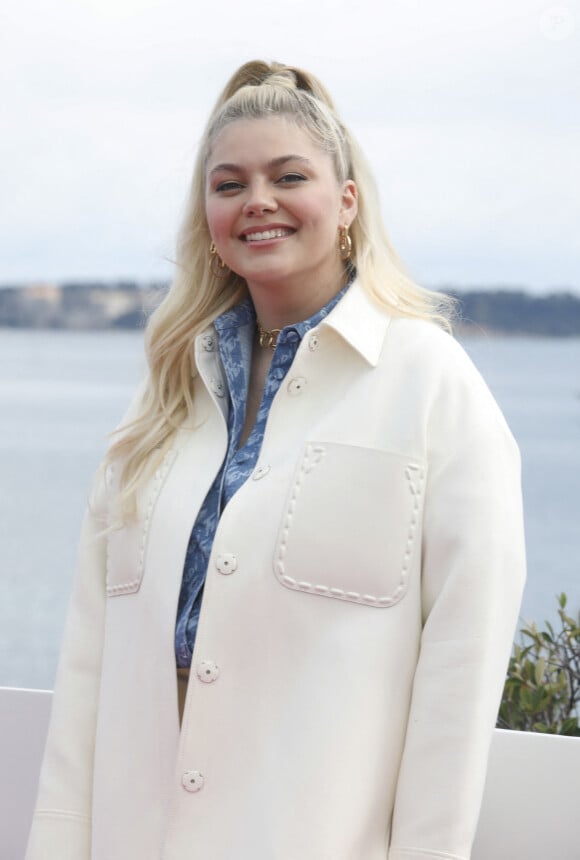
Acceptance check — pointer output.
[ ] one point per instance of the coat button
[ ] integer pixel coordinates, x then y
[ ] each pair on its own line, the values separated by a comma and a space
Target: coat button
226, 562
313, 342
207, 671
192, 780
260, 471
296, 385
208, 342
217, 387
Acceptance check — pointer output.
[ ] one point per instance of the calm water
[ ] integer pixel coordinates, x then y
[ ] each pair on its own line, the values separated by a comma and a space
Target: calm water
61, 393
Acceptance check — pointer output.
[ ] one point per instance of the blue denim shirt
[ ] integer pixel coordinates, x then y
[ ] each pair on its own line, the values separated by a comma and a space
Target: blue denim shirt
235, 330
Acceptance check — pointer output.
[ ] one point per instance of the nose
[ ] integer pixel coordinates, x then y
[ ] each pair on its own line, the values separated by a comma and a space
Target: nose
260, 199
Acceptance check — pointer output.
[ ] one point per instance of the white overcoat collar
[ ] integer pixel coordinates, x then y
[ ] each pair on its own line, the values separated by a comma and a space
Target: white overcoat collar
361, 322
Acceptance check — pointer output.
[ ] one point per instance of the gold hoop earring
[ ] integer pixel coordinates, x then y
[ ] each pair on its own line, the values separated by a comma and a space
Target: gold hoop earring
344, 243
216, 265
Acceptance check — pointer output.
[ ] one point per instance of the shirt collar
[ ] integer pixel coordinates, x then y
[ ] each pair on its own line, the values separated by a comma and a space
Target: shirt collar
240, 315
301, 328
352, 313
244, 313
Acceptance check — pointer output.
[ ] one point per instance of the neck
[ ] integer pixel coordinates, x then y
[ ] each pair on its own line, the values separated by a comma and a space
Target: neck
278, 306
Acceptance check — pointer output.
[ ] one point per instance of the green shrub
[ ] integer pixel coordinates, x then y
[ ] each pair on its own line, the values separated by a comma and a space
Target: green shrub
542, 688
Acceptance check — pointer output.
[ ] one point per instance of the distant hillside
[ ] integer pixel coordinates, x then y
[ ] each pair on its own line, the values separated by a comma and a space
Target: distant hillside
79, 306
518, 312
126, 305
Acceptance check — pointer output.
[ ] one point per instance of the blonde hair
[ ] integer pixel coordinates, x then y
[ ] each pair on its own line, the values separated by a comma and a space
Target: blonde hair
256, 90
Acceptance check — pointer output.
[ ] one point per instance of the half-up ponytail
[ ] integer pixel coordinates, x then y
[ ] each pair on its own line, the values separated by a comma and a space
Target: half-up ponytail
258, 72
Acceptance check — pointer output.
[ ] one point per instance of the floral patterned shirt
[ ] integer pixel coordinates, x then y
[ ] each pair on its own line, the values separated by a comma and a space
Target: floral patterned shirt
235, 329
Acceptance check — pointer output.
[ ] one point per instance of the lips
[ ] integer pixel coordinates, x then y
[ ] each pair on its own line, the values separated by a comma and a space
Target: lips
267, 233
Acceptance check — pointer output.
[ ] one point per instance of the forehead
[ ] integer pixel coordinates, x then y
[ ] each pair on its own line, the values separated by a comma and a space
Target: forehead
248, 141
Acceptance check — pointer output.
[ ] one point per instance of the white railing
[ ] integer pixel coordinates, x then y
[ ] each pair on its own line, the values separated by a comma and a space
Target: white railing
23, 723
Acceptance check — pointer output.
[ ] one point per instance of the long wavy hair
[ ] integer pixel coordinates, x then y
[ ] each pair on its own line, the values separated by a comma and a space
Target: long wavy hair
256, 90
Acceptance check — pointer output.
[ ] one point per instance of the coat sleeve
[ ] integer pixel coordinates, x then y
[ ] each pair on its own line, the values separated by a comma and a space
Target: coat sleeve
473, 571
61, 826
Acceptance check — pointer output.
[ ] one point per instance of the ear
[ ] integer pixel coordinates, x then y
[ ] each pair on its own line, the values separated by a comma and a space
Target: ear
349, 203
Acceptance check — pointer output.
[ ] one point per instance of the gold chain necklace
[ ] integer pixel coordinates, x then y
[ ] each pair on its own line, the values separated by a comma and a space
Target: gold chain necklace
267, 338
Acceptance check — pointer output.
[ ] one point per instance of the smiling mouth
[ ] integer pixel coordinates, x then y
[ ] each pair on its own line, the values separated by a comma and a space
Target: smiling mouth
263, 235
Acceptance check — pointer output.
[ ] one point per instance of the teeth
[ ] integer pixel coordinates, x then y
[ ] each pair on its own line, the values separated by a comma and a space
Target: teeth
278, 233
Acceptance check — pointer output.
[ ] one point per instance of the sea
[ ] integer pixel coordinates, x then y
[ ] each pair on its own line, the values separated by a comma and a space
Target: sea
61, 393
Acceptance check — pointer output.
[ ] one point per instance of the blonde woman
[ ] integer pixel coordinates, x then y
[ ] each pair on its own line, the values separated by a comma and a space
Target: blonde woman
301, 566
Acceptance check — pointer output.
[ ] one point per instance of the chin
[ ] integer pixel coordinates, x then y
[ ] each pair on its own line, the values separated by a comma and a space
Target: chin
269, 274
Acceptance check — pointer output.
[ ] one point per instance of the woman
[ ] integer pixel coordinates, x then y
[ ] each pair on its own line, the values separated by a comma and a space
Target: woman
315, 457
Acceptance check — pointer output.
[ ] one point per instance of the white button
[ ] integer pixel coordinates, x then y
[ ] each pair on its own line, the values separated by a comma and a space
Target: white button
313, 342
260, 471
192, 780
208, 342
217, 387
207, 671
226, 562
296, 385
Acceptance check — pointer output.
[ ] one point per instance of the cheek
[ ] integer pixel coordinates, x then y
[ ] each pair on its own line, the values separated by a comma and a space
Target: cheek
218, 219
324, 225
322, 212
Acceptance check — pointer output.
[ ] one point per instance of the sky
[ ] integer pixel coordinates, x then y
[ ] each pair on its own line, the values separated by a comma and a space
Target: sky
469, 113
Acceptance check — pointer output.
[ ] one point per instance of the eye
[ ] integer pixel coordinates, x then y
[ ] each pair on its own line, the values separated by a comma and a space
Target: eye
228, 185
290, 178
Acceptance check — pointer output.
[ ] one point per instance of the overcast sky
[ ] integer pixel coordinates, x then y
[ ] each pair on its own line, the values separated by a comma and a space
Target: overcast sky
468, 111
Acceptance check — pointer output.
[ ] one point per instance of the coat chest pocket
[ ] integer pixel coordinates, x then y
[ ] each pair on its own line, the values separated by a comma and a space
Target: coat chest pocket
127, 546
351, 528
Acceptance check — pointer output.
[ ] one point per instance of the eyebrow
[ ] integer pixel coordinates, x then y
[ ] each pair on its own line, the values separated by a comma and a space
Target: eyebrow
275, 162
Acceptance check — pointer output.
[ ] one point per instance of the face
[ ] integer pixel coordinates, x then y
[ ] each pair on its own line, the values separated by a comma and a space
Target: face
274, 205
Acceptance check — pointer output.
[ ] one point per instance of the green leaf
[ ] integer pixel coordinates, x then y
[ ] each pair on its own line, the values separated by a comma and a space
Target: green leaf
570, 726
541, 688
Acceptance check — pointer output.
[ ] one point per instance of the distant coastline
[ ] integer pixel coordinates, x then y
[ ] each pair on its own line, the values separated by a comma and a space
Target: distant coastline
517, 312
126, 305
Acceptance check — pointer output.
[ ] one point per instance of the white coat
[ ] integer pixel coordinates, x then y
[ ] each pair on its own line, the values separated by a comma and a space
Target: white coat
357, 619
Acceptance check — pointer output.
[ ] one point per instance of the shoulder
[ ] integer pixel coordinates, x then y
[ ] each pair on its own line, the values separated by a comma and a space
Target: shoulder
428, 347
423, 332
436, 364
